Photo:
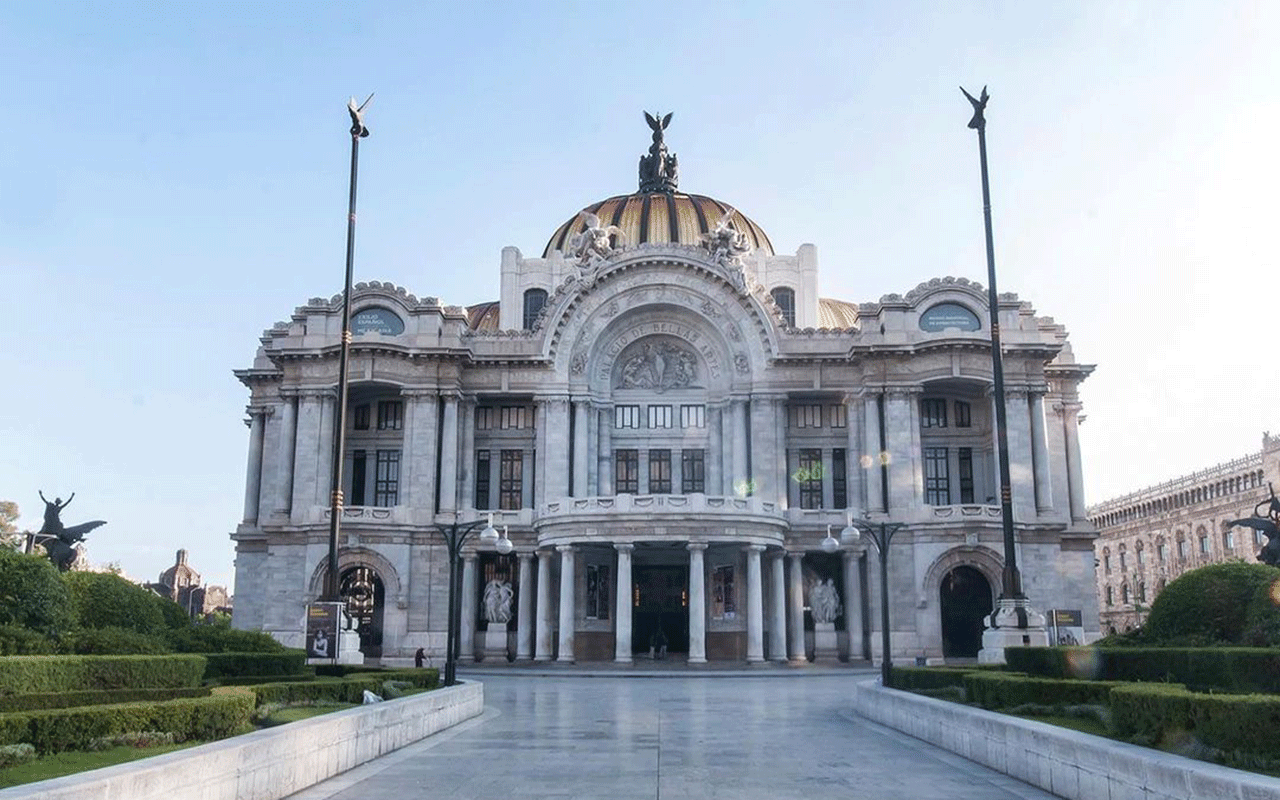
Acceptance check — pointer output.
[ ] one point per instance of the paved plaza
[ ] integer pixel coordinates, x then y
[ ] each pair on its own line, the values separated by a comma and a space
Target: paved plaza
772, 737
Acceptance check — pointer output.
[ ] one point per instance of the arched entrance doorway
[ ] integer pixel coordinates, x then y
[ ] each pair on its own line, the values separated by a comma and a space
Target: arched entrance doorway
965, 596
660, 602
361, 589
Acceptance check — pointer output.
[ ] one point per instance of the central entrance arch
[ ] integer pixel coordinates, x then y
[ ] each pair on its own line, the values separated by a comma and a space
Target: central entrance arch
965, 599
362, 591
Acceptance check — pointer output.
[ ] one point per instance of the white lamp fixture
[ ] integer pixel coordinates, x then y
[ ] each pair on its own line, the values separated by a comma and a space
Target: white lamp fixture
850, 533
490, 534
829, 544
504, 544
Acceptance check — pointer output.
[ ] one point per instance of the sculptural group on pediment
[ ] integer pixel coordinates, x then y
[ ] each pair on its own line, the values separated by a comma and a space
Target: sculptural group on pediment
659, 366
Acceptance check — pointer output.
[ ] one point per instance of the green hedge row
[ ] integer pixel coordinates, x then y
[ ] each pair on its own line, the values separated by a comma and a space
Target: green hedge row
1231, 723
36, 674
347, 690
1232, 669
911, 678
221, 714
1008, 690
230, 665
254, 680
45, 700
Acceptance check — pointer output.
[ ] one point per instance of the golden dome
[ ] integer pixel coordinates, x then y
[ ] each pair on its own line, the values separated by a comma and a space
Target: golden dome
659, 218
838, 314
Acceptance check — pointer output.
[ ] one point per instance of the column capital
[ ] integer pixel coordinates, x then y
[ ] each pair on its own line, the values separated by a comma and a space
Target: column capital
758, 548
699, 546
316, 392
417, 393
565, 548
770, 397
544, 555
259, 411
552, 400
795, 554
626, 547
525, 555
470, 555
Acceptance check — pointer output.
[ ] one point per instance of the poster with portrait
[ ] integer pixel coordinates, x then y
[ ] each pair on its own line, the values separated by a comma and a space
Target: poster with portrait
1066, 627
322, 630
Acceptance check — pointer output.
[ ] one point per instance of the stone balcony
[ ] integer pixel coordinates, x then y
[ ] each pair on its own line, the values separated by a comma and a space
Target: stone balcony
660, 517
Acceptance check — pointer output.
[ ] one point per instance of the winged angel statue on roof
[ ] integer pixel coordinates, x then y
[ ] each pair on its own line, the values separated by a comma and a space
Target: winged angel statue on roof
592, 246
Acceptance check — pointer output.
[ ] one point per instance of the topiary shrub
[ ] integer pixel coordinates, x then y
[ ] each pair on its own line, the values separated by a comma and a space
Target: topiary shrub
33, 594
18, 641
112, 641
1214, 604
104, 600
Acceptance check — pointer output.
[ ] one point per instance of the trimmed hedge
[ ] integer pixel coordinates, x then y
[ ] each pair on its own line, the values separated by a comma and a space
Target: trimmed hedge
33, 674
201, 718
1231, 723
112, 641
218, 637
254, 680
1233, 669
45, 700
1008, 690
343, 670
910, 678
347, 690
1216, 604
230, 665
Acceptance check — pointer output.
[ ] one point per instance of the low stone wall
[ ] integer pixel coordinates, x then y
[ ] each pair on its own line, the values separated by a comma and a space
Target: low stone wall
1067, 763
271, 763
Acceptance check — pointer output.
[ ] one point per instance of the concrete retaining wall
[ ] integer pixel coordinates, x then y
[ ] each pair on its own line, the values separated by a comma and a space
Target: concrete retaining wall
273, 763
1067, 763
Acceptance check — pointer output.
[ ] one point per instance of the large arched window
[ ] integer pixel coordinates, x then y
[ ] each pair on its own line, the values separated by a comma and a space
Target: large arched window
534, 301
786, 300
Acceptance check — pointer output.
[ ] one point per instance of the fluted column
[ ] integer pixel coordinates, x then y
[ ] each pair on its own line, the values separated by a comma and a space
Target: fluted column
853, 602
1040, 454
567, 614
622, 606
449, 456
1075, 473
755, 606
778, 619
604, 470
469, 601
873, 474
288, 435
253, 471
795, 608
467, 460
543, 611
524, 634
698, 604
581, 415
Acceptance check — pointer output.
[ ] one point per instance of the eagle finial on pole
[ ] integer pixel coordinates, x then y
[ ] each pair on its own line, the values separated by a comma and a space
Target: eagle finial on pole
979, 121
357, 116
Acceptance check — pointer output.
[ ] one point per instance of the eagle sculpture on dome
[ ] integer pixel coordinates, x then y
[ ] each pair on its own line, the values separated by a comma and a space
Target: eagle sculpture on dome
592, 246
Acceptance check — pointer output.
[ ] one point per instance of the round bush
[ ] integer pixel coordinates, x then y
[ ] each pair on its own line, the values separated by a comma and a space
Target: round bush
103, 600
1217, 604
32, 594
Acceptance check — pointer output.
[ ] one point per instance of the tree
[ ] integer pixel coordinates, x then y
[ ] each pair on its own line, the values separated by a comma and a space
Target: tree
9, 535
32, 594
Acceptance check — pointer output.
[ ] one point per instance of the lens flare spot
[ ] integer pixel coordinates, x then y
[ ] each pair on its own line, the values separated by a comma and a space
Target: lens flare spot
866, 461
885, 458
1084, 663
1275, 592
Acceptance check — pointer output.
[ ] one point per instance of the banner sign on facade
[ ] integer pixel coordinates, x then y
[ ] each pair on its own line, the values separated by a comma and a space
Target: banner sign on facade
322, 629
1066, 626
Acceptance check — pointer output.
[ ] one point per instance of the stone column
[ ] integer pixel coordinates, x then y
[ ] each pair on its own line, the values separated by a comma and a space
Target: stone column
795, 609
540, 451
306, 449
782, 475
755, 606
524, 634
855, 427
467, 461
778, 619
873, 474
738, 419
288, 435
324, 461
568, 620
1075, 475
543, 610
853, 602
727, 468
622, 606
253, 471
1021, 454
449, 456
556, 480
715, 466
906, 482
467, 631
764, 448
1040, 454
827, 456
419, 458
605, 455
581, 413
698, 604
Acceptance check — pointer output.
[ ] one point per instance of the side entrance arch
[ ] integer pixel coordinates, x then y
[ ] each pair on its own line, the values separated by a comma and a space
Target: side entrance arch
965, 599
362, 590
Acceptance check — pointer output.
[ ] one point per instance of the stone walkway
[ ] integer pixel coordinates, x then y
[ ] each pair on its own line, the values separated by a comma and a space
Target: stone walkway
601, 738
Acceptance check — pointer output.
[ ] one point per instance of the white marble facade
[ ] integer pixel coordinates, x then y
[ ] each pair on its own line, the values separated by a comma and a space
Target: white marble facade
667, 436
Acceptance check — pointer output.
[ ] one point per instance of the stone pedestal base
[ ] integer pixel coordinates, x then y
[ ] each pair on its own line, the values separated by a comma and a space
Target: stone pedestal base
349, 648
1003, 631
826, 642
495, 642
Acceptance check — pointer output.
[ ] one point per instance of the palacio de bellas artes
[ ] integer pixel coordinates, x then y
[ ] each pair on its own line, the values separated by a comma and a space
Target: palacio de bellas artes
671, 426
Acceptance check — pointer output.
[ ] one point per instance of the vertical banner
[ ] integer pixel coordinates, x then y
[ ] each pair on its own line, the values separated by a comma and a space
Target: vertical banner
1066, 626
322, 630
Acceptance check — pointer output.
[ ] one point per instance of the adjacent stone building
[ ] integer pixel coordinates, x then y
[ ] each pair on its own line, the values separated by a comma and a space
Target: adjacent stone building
181, 584
668, 419
1149, 537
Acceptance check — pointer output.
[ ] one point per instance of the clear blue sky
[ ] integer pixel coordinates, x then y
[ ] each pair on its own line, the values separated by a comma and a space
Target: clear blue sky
174, 181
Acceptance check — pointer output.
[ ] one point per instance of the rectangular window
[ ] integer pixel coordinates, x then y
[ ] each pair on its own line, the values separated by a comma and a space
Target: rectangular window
836, 415
1106, 564
1123, 562
937, 476
804, 416
359, 473
1204, 545
511, 480
626, 416
597, 591
659, 416
1182, 548
1161, 552
361, 417
723, 603
933, 413
964, 417
515, 417
386, 487
809, 476
1228, 540
1140, 555
626, 471
693, 471
839, 483
484, 418
965, 465
1110, 597
659, 472
482, 479
693, 416
390, 415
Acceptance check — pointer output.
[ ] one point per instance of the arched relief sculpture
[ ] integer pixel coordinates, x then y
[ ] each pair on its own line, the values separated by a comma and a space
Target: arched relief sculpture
658, 364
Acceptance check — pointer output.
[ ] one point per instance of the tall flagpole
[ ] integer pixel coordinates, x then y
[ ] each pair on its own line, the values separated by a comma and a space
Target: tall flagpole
358, 132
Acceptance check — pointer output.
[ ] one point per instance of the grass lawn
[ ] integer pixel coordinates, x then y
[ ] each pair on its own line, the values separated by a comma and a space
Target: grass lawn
69, 763
294, 713
1082, 724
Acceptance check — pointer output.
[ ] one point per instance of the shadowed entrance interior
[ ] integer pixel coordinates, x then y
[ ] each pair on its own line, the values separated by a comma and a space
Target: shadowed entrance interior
965, 598
660, 597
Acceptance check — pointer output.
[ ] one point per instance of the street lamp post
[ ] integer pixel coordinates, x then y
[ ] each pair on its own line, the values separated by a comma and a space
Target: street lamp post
881, 535
455, 535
